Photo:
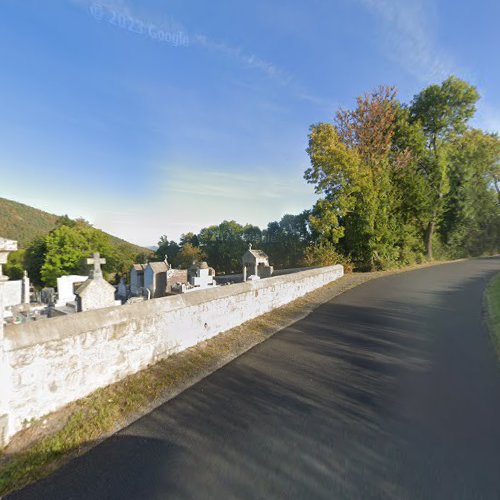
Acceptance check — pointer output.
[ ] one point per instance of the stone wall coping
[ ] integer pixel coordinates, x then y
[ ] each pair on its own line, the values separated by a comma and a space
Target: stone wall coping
43, 331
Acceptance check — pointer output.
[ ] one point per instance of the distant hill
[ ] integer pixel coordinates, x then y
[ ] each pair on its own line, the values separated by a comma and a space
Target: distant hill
24, 223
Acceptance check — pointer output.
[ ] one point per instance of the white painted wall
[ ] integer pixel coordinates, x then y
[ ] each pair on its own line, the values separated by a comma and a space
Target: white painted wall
53, 362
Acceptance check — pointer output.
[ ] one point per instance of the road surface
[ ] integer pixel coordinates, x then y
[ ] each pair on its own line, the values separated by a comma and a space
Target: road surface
391, 390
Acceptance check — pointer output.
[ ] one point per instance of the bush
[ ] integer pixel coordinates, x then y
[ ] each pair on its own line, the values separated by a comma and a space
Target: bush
325, 254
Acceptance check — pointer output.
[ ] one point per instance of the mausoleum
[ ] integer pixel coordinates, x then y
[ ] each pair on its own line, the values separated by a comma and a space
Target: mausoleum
256, 263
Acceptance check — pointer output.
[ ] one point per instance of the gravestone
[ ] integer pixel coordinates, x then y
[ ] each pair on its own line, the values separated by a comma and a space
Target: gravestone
66, 288
26, 288
48, 295
12, 293
121, 293
96, 292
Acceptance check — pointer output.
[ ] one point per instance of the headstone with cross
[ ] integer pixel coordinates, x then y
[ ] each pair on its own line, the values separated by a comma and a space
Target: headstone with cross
96, 292
96, 261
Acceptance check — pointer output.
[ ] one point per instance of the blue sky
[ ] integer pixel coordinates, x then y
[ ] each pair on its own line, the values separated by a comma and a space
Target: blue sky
156, 117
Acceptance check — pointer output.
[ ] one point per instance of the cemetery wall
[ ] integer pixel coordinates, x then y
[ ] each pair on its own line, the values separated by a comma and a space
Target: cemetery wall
53, 362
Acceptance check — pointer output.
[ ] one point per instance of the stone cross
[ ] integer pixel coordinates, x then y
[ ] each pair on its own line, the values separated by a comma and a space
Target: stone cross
96, 261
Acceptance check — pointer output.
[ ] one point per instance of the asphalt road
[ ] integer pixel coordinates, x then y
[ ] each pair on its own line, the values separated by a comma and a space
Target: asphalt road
391, 390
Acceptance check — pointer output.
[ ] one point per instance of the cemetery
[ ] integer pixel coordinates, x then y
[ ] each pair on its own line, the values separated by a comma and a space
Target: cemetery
48, 364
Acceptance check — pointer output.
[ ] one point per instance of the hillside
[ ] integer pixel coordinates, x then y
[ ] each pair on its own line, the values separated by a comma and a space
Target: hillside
24, 223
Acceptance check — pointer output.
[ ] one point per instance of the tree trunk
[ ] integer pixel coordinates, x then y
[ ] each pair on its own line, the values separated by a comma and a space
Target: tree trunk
428, 239
495, 182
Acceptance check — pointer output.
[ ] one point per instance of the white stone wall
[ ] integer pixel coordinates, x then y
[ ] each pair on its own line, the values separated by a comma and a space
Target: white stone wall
56, 361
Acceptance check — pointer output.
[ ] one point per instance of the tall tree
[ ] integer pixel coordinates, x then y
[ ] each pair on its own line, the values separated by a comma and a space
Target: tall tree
471, 218
350, 167
443, 112
34, 259
285, 240
189, 238
167, 249
14, 268
187, 255
223, 246
66, 247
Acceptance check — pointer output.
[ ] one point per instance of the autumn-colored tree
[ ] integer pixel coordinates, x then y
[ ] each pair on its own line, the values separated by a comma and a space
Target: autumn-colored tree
187, 255
351, 169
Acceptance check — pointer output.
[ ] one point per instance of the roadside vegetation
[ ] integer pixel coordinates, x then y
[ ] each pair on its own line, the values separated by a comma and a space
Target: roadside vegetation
493, 310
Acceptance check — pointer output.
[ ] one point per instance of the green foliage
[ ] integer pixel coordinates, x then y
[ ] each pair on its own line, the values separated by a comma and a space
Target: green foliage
23, 223
14, 268
286, 240
443, 112
189, 238
167, 249
34, 259
223, 246
325, 254
397, 181
471, 221
65, 248
351, 168
68, 246
31, 227
187, 255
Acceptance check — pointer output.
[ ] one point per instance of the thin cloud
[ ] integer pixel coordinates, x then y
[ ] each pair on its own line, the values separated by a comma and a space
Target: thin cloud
230, 186
409, 39
100, 9
250, 60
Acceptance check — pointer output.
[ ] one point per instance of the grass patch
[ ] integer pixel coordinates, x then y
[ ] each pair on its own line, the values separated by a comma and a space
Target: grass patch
493, 310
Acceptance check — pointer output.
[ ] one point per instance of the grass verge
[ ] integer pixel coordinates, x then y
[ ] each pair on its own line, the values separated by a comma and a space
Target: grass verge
493, 310
50, 442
